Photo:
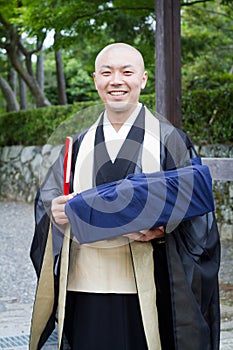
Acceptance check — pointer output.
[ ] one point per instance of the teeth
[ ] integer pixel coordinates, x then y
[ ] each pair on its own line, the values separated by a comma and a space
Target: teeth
117, 93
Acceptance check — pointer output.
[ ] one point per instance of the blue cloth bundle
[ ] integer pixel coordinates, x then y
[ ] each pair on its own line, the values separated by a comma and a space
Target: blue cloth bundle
164, 198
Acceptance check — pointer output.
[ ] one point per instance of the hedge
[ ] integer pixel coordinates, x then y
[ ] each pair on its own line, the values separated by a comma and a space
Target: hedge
50, 124
207, 118
37, 126
208, 115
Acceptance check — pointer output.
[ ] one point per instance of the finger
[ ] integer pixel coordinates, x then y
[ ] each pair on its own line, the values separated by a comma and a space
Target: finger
143, 238
70, 196
59, 200
149, 235
60, 216
133, 236
158, 234
62, 221
62, 199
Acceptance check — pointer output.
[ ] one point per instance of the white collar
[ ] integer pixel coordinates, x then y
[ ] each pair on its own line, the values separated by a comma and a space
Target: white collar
83, 176
115, 139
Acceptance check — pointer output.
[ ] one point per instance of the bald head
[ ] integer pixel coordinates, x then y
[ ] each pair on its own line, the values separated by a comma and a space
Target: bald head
118, 49
119, 78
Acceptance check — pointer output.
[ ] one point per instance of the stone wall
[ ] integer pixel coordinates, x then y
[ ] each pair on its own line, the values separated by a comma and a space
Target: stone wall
223, 190
23, 168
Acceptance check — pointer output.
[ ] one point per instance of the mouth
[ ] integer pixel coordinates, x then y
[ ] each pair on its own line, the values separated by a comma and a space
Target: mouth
117, 93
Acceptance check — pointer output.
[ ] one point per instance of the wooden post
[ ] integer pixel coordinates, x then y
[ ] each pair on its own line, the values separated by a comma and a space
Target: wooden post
168, 60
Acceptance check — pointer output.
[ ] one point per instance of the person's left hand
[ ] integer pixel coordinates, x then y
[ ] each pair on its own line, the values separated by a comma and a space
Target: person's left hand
147, 235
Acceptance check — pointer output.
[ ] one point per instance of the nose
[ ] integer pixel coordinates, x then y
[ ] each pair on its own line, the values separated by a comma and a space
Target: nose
116, 78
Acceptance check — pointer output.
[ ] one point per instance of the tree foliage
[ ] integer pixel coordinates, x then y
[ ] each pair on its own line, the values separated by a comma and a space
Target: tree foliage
82, 28
207, 43
25, 25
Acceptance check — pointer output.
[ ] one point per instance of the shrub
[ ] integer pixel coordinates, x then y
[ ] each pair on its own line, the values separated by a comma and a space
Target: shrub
35, 127
207, 114
207, 118
38, 126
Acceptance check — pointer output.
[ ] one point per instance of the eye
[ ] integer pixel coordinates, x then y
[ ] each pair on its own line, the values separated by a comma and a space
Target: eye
106, 73
128, 72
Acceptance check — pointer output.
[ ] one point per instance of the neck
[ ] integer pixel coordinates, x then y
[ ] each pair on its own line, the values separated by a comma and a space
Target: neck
118, 118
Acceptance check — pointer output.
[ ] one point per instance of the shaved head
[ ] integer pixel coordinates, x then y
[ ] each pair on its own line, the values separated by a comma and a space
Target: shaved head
119, 78
118, 48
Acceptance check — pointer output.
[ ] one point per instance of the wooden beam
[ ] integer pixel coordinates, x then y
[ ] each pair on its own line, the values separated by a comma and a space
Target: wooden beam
168, 60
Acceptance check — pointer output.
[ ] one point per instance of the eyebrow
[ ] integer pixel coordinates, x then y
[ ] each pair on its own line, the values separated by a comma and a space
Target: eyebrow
110, 67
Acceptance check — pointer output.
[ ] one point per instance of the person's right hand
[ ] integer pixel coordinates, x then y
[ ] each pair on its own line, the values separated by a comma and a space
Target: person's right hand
58, 209
147, 235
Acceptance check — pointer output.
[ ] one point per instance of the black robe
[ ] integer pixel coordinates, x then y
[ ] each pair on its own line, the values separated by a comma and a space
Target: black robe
191, 254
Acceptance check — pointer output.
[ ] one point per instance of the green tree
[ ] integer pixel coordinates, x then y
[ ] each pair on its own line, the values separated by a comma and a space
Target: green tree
16, 47
207, 42
84, 27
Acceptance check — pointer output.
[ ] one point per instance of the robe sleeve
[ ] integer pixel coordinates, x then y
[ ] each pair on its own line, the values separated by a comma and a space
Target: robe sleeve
51, 187
193, 256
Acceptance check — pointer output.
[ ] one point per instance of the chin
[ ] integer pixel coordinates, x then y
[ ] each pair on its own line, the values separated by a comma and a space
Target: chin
120, 106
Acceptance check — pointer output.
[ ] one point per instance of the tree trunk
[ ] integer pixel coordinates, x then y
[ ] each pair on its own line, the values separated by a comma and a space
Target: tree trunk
61, 84
22, 94
12, 79
37, 93
40, 71
168, 60
9, 95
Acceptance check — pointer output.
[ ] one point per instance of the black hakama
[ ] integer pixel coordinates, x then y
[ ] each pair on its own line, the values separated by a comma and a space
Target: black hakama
96, 321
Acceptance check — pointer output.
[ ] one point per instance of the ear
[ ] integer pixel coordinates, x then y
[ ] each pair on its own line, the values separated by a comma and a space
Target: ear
144, 79
94, 77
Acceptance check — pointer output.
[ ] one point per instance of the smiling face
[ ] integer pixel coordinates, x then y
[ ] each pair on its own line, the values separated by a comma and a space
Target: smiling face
119, 77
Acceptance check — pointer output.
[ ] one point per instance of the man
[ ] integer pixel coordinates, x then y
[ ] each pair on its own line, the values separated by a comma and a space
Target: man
152, 289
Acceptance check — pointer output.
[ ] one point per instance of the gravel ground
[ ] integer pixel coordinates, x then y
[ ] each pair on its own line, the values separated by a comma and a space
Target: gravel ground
18, 279
17, 276
226, 273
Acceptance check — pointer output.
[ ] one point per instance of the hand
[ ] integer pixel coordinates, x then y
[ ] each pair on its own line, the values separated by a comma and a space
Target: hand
147, 235
58, 208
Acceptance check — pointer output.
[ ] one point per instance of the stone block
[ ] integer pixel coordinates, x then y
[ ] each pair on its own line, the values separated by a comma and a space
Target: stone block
36, 165
28, 154
4, 154
226, 231
14, 152
46, 149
